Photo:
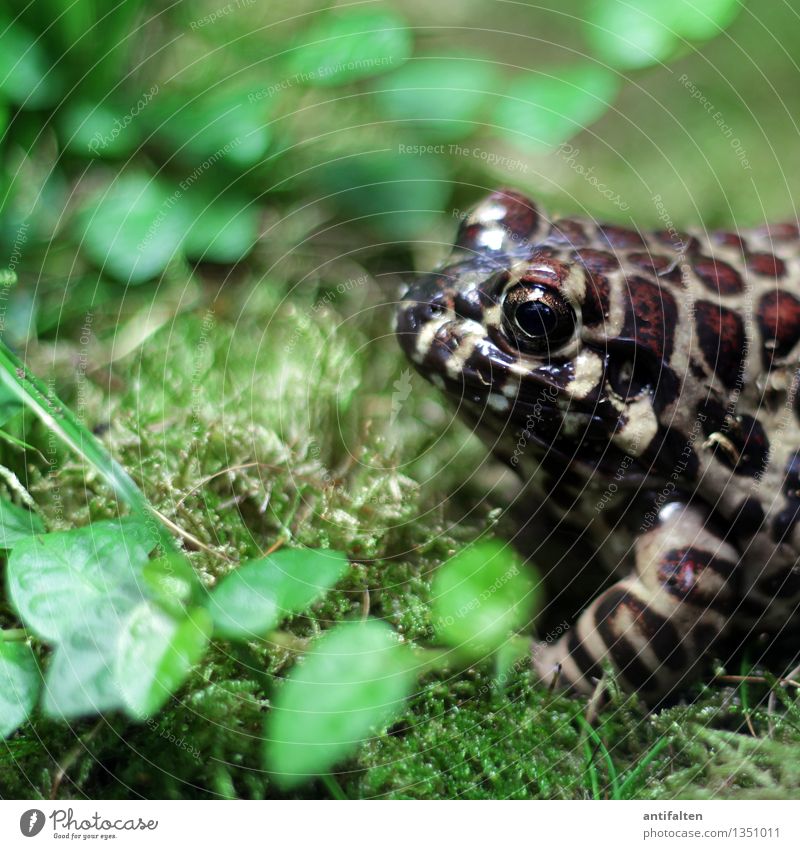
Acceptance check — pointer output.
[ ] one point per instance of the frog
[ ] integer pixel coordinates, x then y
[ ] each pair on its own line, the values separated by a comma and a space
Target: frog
643, 384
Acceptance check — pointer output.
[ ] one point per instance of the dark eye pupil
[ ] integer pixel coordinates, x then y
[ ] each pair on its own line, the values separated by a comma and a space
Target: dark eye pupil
535, 318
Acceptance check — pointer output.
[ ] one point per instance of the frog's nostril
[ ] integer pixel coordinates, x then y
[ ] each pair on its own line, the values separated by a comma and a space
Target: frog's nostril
468, 305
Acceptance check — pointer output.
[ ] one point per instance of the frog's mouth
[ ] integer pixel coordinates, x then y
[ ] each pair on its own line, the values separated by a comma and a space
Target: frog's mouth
519, 408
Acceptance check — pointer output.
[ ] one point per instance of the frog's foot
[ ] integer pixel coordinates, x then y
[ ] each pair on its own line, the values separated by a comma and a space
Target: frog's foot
656, 627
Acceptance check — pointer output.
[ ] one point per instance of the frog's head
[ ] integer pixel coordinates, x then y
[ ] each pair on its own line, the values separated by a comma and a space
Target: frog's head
543, 342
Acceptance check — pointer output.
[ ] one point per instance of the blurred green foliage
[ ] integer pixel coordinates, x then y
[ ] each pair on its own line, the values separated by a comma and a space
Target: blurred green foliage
143, 138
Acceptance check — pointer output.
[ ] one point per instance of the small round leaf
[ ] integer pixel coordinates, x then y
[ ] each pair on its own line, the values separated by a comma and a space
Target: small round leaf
545, 109
348, 687
349, 45
253, 599
481, 596
443, 97
133, 228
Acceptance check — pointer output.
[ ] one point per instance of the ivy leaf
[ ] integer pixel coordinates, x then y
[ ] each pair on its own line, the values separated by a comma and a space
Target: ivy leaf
27, 77
443, 97
20, 682
349, 686
172, 583
81, 678
481, 596
59, 581
133, 228
17, 523
253, 599
343, 46
545, 109
155, 655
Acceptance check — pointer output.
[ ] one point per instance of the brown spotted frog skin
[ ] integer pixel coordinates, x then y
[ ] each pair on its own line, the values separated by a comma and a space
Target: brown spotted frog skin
645, 386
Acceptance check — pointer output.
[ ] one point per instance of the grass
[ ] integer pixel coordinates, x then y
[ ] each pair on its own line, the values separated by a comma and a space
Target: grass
250, 421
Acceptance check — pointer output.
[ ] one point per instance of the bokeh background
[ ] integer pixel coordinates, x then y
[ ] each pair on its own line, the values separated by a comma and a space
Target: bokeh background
207, 212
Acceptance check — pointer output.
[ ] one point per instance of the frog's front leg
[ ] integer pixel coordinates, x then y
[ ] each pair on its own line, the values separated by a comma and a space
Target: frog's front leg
656, 626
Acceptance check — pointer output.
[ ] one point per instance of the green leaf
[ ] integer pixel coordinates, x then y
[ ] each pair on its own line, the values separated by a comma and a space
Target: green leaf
133, 228
343, 46
20, 682
222, 229
632, 35
27, 77
253, 599
58, 581
481, 596
155, 655
172, 582
442, 97
638, 33
545, 109
96, 129
400, 194
81, 678
226, 126
348, 687
703, 19
17, 523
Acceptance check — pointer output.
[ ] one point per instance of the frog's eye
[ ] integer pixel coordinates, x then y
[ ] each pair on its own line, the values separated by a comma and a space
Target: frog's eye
538, 318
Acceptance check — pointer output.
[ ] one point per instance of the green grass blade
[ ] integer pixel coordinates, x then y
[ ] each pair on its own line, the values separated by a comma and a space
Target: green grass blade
630, 780
58, 418
600, 746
